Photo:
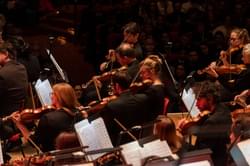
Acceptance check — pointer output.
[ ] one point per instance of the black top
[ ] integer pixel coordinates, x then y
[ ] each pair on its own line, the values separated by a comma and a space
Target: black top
241, 82
13, 87
132, 109
214, 133
50, 126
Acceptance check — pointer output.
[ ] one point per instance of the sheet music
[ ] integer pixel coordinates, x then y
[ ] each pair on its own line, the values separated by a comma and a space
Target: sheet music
244, 147
43, 90
94, 135
198, 163
189, 100
134, 154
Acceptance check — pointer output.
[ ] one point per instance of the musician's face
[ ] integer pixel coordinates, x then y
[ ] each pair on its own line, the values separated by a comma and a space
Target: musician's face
145, 73
202, 104
54, 99
130, 38
234, 40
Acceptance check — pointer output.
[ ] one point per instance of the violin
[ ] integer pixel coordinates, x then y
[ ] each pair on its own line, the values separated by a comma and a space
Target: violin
202, 116
138, 86
104, 76
233, 68
238, 112
225, 69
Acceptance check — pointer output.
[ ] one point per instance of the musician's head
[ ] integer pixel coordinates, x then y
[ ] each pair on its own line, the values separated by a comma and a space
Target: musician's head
207, 94
165, 129
7, 52
131, 32
239, 37
150, 67
246, 54
125, 53
121, 81
63, 95
241, 128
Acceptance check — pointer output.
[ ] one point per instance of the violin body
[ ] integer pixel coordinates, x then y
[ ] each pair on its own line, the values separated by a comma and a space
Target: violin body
238, 112
233, 68
187, 123
32, 114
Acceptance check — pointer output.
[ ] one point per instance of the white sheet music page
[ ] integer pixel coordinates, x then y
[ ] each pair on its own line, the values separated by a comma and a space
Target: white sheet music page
189, 100
244, 147
43, 90
134, 154
94, 135
197, 163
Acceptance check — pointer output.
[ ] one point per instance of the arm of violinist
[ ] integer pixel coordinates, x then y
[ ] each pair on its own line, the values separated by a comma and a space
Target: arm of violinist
223, 57
241, 98
16, 118
97, 82
211, 71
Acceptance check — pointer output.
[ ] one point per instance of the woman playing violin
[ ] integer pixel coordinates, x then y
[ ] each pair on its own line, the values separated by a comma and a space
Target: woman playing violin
238, 38
241, 81
212, 132
52, 123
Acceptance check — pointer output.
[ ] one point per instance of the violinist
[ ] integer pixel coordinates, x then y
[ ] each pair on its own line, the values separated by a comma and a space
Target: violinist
13, 87
131, 33
126, 57
52, 123
240, 131
211, 132
238, 38
241, 81
233, 56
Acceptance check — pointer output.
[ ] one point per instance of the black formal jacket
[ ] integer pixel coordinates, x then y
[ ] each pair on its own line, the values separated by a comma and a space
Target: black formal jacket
13, 87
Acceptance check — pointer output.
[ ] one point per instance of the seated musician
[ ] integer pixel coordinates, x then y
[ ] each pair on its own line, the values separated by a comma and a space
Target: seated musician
52, 123
212, 130
241, 81
126, 57
240, 131
165, 129
135, 107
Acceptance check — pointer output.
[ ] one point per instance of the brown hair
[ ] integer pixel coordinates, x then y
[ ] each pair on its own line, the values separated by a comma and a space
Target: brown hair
66, 95
166, 130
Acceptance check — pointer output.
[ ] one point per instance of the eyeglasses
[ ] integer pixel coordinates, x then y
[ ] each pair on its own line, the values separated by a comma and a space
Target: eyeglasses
233, 39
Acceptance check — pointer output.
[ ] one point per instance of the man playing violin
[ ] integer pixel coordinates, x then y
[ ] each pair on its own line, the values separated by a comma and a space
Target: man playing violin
126, 56
135, 107
212, 132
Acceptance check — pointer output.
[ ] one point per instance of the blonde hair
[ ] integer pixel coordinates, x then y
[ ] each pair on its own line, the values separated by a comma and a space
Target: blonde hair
66, 95
153, 63
166, 130
242, 35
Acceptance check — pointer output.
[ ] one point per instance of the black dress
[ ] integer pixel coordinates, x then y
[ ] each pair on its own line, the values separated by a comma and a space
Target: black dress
50, 126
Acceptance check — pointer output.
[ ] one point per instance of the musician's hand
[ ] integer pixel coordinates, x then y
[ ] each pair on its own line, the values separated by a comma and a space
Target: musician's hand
212, 72
241, 98
15, 116
223, 57
180, 123
96, 81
